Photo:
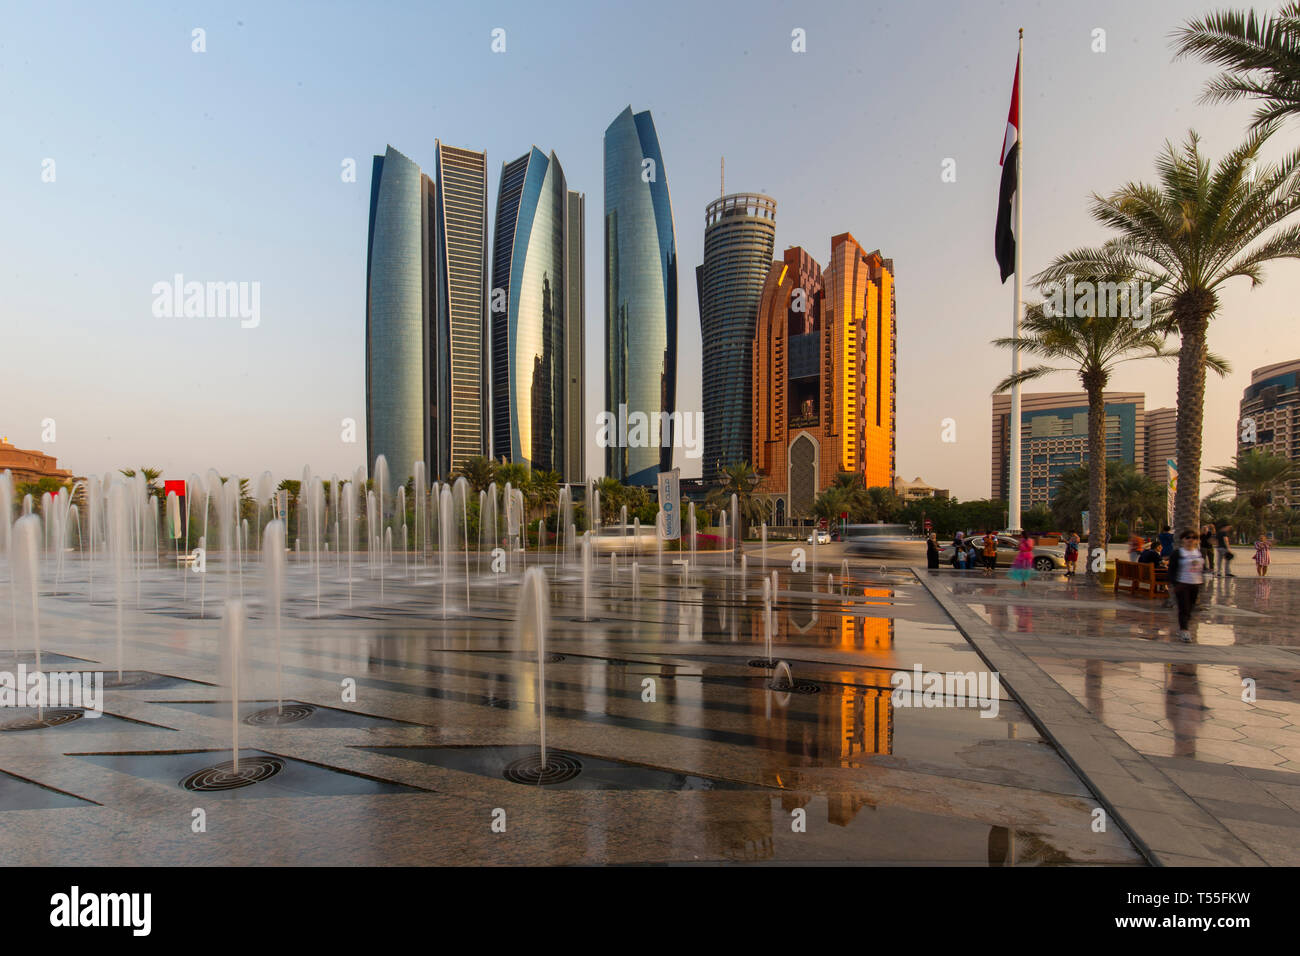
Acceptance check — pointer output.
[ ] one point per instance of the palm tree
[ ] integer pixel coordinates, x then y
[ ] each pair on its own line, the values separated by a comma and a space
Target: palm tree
543, 489
739, 479
1092, 346
151, 476
1260, 55
479, 471
1133, 495
1199, 226
1258, 475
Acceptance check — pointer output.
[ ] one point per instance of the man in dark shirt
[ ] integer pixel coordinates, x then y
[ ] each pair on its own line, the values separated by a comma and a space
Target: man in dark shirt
1166, 542
1223, 540
1152, 553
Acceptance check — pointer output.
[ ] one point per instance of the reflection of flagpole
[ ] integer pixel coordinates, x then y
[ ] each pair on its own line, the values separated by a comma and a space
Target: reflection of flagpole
1013, 478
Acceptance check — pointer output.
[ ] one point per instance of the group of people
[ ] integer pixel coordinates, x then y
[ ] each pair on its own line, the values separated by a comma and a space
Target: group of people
968, 553
1212, 543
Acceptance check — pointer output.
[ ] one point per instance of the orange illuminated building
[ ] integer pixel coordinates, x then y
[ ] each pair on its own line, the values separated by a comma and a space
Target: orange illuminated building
30, 466
824, 362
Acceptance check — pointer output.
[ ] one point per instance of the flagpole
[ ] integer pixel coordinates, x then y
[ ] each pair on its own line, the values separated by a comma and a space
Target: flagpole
1013, 479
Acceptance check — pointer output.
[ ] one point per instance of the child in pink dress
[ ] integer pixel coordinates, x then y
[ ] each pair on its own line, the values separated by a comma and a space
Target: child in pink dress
1022, 568
1261, 555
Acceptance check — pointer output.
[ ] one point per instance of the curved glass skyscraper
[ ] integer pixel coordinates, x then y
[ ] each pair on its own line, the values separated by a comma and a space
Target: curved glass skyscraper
529, 361
640, 296
739, 238
397, 314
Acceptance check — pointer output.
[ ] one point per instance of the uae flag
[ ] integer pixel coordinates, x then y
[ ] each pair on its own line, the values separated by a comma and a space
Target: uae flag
1004, 238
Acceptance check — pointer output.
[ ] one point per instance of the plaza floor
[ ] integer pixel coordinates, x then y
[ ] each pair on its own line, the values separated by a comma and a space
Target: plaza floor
411, 709
1195, 747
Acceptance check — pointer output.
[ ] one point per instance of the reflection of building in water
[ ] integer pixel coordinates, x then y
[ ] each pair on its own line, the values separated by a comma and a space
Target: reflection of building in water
735, 826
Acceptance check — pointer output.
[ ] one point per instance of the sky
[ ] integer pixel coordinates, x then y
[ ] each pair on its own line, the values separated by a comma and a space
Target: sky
226, 165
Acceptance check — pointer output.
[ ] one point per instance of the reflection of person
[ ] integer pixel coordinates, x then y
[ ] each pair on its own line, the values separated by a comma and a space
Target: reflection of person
1186, 574
931, 552
1261, 555
1184, 707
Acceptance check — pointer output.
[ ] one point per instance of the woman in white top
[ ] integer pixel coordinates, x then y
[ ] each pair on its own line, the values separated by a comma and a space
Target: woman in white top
1186, 574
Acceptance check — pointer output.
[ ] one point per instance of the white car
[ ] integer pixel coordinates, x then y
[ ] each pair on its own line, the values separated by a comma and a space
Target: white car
822, 536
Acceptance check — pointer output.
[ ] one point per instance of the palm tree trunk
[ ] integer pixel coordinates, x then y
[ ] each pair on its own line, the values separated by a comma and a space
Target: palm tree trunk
1192, 312
1094, 383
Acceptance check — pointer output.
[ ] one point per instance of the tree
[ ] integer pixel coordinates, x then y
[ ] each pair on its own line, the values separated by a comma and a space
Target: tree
1133, 495
1257, 475
1129, 494
1092, 345
151, 476
1260, 55
739, 479
1200, 225
479, 471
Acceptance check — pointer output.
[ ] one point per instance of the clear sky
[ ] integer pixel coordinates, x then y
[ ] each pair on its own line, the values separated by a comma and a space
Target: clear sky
225, 165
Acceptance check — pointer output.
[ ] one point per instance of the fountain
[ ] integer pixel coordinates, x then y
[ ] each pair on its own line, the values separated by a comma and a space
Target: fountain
24, 569
273, 562
586, 576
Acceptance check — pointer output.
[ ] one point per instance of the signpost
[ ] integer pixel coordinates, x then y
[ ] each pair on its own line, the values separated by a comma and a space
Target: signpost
670, 505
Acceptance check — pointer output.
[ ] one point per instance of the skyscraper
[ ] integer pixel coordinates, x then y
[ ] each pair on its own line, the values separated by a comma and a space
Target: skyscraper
460, 386
575, 313
398, 255
1054, 438
530, 324
739, 238
823, 373
640, 294
1270, 418
1161, 433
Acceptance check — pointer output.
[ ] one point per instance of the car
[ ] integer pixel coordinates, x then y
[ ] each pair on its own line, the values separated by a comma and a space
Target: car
823, 536
1046, 558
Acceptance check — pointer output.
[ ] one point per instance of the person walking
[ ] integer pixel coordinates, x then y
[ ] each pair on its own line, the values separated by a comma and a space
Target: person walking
1186, 574
1223, 542
931, 552
1167, 543
1071, 554
958, 550
1022, 568
1207, 547
1262, 549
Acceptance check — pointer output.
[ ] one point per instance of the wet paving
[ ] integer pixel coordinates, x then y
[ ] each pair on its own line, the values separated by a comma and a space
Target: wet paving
406, 714
1219, 717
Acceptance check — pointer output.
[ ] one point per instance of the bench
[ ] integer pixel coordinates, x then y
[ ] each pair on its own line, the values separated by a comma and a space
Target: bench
1140, 576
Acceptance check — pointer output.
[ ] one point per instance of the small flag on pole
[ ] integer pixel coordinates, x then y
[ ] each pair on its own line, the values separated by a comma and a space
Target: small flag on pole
1004, 237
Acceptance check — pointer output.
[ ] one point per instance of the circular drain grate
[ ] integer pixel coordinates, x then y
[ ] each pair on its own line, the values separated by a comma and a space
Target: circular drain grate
554, 658
128, 679
50, 718
559, 768
276, 717
767, 662
225, 777
798, 687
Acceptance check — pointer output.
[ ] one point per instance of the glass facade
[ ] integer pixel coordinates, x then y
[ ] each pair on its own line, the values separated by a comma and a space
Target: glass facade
528, 343
640, 293
397, 314
739, 239
460, 388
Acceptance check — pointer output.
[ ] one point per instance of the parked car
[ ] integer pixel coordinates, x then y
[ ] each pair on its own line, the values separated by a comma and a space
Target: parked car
822, 535
1046, 558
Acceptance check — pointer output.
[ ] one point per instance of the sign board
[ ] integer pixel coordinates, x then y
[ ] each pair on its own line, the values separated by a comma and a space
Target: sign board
282, 505
670, 505
1171, 491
